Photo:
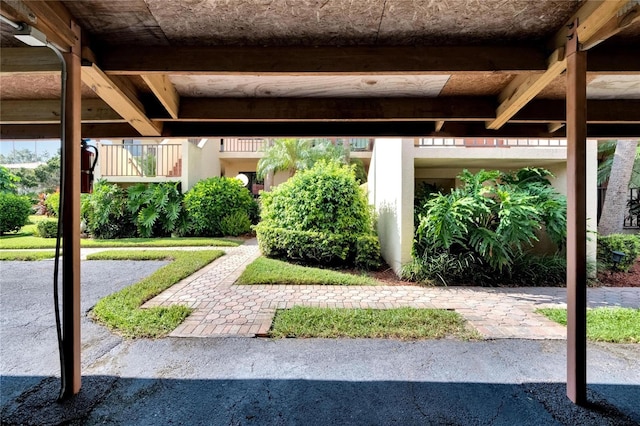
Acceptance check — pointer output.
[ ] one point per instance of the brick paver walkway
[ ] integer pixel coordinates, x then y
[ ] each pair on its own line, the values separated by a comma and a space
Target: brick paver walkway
224, 309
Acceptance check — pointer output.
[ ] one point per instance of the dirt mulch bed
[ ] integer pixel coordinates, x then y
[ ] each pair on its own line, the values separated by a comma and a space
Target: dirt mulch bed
621, 279
386, 276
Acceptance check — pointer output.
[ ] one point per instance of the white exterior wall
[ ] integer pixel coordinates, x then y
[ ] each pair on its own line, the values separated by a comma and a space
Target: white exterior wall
391, 189
199, 162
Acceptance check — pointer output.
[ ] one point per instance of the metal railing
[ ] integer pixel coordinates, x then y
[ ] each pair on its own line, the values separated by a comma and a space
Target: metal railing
491, 142
259, 144
242, 145
145, 160
632, 215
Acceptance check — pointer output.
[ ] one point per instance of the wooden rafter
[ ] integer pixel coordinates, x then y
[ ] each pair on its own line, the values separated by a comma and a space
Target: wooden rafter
592, 17
165, 91
118, 98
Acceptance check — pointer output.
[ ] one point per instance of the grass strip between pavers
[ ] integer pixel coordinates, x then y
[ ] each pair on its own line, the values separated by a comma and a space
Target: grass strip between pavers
400, 323
28, 241
271, 271
614, 325
121, 311
27, 255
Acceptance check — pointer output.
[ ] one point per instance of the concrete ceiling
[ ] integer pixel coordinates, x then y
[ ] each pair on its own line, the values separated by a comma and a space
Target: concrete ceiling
332, 67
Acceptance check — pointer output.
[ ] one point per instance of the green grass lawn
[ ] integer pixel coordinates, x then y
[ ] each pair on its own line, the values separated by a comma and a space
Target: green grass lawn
401, 323
26, 255
26, 239
271, 271
121, 311
615, 325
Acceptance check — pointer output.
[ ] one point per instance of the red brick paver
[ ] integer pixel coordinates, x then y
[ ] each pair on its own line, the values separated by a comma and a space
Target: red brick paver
222, 308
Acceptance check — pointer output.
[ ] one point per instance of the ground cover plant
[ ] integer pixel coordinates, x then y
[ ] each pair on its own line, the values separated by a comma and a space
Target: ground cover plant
320, 217
272, 271
26, 255
401, 323
481, 231
628, 244
615, 325
121, 311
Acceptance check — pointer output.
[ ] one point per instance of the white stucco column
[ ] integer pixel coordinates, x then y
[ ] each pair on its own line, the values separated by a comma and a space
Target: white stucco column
592, 200
391, 188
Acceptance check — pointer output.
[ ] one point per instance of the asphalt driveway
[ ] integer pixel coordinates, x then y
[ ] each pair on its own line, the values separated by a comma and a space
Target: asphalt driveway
233, 381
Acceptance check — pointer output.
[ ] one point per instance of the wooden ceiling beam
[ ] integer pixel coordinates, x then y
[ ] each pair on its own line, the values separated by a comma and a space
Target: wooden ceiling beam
50, 17
438, 110
353, 60
14, 60
390, 109
52, 131
338, 109
119, 98
592, 16
47, 111
165, 91
328, 129
28, 60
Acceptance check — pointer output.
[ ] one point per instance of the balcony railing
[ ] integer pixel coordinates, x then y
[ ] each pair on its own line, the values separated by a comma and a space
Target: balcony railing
491, 142
242, 145
147, 160
258, 144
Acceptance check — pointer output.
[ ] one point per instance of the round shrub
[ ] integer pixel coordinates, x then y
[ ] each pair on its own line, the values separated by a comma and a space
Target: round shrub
14, 212
47, 228
319, 216
211, 200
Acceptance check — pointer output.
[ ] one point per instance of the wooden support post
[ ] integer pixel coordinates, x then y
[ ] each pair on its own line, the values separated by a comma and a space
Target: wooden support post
71, 225
576, 222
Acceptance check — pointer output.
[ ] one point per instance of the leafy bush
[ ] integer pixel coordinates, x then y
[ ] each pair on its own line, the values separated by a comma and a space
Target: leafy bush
14, 212
318, 216
210, 200
8, 181
106, 212
157, 209
367, 252
236, 223
47, 228
52, 204
494, 215
446, 268
627, 244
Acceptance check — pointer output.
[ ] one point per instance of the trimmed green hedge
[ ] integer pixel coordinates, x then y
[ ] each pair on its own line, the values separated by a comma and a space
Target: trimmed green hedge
629, 244
47, 228
319, 247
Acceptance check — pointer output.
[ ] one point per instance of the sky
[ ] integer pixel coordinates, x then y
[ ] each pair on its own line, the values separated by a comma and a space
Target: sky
50, 146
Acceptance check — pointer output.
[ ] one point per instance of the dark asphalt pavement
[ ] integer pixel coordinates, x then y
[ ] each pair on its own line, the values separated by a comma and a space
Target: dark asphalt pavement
293, 381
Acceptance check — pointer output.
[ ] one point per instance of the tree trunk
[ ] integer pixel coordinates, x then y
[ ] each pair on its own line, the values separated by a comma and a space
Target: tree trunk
615, 202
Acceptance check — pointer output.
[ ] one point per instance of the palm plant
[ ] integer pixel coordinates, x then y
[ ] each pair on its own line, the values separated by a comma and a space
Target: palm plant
292, 154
